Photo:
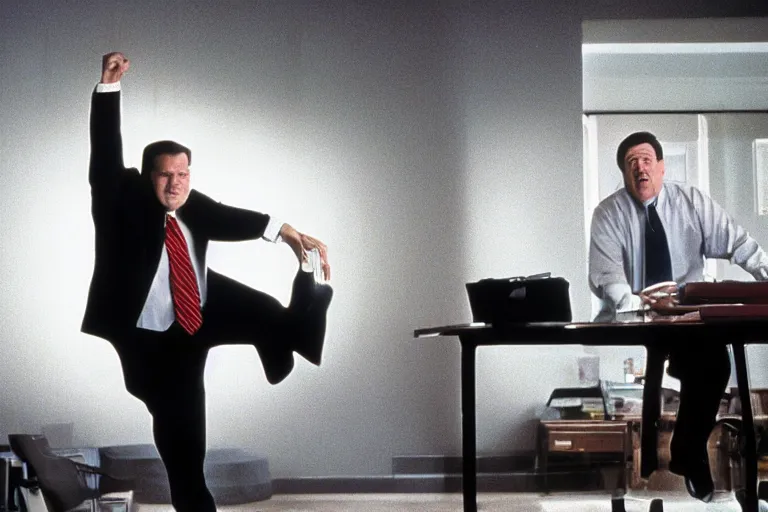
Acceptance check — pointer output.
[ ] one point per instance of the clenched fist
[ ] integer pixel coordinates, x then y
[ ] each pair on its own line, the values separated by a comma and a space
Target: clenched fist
113, 65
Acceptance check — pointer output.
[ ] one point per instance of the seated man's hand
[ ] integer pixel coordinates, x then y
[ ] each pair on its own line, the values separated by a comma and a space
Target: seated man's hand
301, 244
661, 296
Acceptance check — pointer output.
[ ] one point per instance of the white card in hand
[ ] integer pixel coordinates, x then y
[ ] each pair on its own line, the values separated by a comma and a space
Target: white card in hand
314, 265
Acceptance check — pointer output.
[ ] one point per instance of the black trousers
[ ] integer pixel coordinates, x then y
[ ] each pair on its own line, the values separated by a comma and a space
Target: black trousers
703, 372
165, 371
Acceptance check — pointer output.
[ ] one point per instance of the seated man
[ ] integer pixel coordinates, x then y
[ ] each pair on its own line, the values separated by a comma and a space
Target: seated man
652, 232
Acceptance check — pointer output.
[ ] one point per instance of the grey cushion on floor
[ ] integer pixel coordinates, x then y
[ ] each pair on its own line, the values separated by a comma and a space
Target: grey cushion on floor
142, 463
233, 476
236, 477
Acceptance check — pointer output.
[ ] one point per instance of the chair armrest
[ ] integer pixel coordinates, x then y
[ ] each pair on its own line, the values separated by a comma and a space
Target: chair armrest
85, 468
29, 483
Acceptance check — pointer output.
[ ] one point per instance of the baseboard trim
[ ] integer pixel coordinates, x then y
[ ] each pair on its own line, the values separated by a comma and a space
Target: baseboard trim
505, 472
514, 462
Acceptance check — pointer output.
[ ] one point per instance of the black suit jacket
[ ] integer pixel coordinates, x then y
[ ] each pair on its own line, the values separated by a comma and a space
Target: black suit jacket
129, 226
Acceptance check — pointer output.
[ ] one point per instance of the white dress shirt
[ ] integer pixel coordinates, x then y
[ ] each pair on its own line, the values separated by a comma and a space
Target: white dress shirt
696, 228
157, 313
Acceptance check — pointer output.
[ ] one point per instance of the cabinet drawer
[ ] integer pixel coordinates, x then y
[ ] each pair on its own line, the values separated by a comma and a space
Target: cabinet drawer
591, 442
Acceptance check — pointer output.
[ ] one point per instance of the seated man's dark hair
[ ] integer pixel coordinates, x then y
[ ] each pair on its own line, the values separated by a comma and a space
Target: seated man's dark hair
161, 147
635, 139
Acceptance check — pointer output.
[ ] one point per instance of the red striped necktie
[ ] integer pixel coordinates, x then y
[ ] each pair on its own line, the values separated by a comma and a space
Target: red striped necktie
184, 290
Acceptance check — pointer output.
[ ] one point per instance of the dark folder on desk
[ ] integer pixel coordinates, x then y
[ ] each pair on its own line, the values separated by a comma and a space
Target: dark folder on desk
724, 292
537, 298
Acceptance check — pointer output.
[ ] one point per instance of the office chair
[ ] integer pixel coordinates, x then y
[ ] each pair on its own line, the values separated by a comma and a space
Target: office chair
61, 481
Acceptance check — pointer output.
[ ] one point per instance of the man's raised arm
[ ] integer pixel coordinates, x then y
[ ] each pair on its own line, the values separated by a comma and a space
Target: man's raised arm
106, 141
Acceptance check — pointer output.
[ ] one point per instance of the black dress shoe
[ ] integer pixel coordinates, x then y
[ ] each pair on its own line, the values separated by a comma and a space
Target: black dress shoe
308, 307
698, 478
277, 362
700, 487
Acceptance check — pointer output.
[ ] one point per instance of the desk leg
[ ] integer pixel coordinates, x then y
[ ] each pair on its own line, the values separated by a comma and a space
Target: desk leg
649, 428
748, 425
468, 427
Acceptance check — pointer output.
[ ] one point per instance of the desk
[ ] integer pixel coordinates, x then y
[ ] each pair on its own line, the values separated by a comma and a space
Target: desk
732, 332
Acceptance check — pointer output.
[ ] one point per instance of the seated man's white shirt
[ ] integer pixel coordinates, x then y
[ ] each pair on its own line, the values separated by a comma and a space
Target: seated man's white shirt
696, 228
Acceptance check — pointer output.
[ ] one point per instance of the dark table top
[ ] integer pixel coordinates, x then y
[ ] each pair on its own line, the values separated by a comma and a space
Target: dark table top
738, 330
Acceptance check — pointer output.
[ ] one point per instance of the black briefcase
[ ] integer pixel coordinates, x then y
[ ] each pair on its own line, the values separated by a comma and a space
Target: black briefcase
536, 298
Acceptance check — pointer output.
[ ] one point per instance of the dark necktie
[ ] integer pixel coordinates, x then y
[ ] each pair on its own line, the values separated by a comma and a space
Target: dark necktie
184, 290
658, 267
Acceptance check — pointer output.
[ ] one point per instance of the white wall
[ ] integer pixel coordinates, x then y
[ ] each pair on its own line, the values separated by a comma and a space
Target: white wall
428, 143
733, 187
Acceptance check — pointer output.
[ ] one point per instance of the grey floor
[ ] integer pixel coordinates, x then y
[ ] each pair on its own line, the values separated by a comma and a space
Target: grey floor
488, 502
662, 484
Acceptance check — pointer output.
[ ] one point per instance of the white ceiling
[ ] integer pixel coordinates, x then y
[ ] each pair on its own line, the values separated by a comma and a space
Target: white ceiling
673, 48
707, 64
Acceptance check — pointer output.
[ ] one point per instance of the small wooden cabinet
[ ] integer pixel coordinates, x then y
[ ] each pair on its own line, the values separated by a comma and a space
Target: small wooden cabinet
610, 441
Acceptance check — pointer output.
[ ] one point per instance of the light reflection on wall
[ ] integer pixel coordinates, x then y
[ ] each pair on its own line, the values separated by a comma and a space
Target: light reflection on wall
304, 120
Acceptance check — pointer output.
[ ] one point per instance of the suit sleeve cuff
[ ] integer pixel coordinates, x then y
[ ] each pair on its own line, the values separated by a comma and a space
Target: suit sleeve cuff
633, 303
113, 87
620, 294
272, 231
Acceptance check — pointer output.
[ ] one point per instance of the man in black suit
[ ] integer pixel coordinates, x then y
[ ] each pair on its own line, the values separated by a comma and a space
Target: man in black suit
155, 300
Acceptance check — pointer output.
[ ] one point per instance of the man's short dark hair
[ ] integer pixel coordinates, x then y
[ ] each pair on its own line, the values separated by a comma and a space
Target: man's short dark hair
635, 139
161, 147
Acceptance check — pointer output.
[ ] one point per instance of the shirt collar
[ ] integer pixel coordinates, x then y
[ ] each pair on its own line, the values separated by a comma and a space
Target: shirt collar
657, 199
167, 214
